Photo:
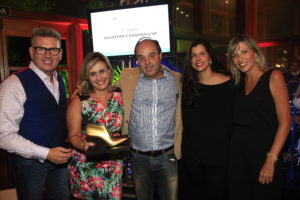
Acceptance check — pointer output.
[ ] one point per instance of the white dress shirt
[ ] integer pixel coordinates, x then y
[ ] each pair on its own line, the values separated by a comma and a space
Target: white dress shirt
12, 99
152, 118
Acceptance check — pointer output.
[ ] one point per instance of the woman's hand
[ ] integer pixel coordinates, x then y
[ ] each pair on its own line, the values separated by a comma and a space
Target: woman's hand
267, 171
87, 145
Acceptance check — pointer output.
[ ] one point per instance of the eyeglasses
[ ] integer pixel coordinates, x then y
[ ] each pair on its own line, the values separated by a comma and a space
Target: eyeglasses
43, 50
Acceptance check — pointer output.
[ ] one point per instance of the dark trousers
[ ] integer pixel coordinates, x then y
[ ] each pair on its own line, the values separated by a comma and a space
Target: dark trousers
160, 172
199, 181
32, 177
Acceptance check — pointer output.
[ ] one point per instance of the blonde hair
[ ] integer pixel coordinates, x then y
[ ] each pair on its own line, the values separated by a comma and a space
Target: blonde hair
89, 61
249, 41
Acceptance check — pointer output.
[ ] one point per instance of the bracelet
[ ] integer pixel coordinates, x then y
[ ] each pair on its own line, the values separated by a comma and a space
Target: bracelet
272, 155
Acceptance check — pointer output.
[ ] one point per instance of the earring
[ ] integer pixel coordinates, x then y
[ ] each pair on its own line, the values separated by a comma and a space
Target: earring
257, 60
210, 62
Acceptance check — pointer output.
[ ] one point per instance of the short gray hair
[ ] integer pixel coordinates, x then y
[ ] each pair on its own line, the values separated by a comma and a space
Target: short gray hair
45, 32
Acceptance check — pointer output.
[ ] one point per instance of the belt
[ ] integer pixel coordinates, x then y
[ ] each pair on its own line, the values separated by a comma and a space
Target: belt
153, 153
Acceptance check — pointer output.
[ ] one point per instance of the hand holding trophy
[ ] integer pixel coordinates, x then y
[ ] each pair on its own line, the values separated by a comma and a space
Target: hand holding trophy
106, 145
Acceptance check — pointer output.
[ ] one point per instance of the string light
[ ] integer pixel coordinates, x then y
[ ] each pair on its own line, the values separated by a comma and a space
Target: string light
182, 12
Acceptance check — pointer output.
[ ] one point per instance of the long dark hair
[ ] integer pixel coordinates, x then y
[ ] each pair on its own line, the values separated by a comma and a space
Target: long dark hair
190, 77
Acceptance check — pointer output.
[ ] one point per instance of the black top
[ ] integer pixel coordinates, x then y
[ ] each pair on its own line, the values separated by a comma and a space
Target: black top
207, 125
255, 125
256, 111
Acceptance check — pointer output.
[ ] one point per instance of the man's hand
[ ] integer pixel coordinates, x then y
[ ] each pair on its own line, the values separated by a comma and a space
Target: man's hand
59, 155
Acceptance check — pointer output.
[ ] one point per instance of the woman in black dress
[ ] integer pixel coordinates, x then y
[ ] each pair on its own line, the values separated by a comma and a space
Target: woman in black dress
207, 117
261, 123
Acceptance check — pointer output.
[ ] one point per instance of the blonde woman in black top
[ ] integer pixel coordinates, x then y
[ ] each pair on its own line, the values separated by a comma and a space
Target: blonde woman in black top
261, 123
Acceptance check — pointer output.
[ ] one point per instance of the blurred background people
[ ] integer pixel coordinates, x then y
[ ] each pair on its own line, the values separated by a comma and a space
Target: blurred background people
261, 123
292, 77
98, 104
295, 64
207, 105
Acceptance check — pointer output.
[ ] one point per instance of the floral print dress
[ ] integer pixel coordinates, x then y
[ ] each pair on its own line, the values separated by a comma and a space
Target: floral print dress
98, 180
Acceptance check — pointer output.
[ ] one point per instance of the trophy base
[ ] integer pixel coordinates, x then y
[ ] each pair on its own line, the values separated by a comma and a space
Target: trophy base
101, 151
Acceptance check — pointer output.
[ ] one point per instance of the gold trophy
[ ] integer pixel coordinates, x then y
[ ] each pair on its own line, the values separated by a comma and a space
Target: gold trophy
106, 145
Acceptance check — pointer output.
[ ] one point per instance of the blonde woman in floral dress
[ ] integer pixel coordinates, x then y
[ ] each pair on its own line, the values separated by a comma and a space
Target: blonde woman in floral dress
98, 105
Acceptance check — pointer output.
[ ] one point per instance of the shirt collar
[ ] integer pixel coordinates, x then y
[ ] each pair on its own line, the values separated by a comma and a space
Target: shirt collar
40, 73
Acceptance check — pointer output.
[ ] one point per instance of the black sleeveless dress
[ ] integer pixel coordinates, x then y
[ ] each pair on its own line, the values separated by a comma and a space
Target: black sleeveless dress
255, 125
